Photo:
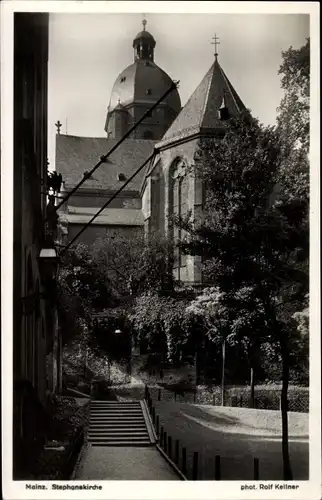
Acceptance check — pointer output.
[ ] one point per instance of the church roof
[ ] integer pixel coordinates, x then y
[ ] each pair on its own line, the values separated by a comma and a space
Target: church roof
144, 82
143, 34
200, 114
76, 155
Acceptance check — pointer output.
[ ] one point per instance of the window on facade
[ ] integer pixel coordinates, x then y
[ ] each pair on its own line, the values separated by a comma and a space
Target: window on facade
179, 195
123, 78
148, 134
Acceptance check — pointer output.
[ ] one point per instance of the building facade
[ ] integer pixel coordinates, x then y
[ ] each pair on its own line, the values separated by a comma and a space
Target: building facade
34, 320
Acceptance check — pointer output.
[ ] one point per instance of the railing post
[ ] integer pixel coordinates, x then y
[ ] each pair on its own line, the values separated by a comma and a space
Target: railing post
159, 395
170, 446
161, 435
217, 468
153, 414
195, 466
194, 397
157, 424
176, 459
256, 469
184, 461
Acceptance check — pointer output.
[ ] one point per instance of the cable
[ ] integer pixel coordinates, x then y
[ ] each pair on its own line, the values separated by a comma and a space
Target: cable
108, 202
103, 158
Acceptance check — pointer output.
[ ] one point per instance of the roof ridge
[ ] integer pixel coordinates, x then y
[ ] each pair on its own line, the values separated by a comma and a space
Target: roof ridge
229, 87
211, 71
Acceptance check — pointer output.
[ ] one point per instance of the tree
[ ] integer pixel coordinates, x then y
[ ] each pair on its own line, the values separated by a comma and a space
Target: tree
108, 276
252, 243
294, 129
294, 111
134, 265
211, 308
81, 288
160, 321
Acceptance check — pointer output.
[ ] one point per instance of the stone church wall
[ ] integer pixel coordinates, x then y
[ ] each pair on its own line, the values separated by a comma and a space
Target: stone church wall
157, 198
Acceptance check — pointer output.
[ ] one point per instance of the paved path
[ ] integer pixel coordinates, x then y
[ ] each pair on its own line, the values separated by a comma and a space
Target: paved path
237, 435
124, 463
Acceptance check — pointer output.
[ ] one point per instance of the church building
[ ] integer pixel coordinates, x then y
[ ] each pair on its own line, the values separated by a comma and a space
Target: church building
166, 187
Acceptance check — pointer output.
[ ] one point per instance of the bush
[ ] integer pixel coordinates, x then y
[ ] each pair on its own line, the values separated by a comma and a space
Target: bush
268, 397
208, 395
67, 425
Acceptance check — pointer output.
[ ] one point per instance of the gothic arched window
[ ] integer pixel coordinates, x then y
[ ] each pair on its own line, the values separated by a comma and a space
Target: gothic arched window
178, 208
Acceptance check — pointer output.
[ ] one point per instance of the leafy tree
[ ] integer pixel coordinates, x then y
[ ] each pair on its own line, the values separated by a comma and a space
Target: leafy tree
134, 265
80, 289
252, 243
107, 277
211, 308
294, 110
161, 323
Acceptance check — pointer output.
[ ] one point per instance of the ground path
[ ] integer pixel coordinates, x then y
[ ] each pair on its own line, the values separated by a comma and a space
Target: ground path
123, 463
237, 435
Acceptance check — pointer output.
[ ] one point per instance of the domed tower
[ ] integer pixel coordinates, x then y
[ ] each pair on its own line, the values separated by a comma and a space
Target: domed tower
136, 89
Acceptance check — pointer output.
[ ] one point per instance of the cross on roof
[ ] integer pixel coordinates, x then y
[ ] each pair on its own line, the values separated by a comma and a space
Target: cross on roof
144, 22
215, 43
58, 125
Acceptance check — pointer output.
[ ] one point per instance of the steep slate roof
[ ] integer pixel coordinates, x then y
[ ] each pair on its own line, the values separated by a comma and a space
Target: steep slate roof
200, 114
75, 155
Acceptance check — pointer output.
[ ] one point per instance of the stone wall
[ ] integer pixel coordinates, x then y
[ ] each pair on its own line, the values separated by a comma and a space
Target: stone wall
157, 195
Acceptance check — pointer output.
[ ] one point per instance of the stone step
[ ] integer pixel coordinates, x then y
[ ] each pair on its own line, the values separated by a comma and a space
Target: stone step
119, 430
113, 418
112, 414
101, 405
117, 410
122, 422
128, 401
117, 427
123, 416
116, 423
121, 435
108, 408
119, 439
142, 443
113, 405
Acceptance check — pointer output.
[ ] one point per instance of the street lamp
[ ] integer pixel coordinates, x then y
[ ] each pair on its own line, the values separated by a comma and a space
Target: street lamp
48, 263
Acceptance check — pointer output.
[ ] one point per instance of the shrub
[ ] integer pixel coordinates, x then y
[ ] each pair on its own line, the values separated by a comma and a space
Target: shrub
268, 397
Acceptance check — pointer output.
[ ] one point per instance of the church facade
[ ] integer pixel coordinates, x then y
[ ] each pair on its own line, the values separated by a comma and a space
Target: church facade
168, 186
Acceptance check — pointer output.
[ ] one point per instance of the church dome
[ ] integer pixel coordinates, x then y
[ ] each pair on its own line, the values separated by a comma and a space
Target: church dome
143, 82
143, 35
137, 89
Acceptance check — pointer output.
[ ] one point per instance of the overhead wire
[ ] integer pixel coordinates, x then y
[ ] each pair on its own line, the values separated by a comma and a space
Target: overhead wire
138, 170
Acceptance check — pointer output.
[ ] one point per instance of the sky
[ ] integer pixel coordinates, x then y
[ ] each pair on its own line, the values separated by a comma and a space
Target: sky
88, 51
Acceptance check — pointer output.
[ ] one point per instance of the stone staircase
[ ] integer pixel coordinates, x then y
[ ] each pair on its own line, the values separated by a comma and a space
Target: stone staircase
114, 423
